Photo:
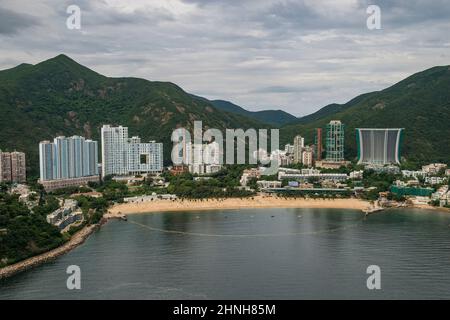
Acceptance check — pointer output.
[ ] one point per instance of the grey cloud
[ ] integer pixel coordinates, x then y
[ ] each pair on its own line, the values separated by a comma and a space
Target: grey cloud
288, 89
404, 13
12, 22
100, 13
263, 53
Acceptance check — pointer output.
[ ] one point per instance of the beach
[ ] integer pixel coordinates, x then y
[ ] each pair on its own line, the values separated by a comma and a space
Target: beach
234, 203
156, 206
119, 210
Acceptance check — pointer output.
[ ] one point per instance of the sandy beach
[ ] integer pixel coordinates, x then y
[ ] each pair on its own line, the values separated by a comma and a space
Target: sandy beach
234, 203
192, 205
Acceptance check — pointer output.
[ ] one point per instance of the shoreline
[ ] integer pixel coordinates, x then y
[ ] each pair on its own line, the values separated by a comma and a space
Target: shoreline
161, 206
76, 240
256, 202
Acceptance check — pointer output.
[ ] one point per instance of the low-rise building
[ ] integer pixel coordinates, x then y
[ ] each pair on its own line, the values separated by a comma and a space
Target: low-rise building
212, 168
177, 170
328, 184
289, 170
249, 174
51, 185
419, 200
434, 168
26, 196
356, 175
413, 174
413, 183
440, 194
310, 171
263, 184
65, 215
390, 169
315, 176
152, 197
400, 183
435, 180
326, 164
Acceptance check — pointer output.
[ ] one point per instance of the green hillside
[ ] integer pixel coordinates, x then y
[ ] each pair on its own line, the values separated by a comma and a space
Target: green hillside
420, 104
62, 97
273, 117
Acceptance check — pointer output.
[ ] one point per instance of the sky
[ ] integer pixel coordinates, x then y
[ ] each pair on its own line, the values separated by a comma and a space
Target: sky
297, 56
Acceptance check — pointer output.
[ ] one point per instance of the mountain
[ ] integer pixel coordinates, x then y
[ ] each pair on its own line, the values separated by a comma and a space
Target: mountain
61, 97
276, 118
420, 104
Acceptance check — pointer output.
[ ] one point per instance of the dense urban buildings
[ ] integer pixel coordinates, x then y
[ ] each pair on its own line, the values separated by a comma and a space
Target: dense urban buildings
335, 141
289, 149
68, 161
434, 168
318, 144
282, 157
248, 174
308, 156
122, 155
299, 144
203, 158
378, 146
12, 167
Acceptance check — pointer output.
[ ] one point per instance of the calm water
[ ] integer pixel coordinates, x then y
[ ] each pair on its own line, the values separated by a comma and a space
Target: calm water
253, 254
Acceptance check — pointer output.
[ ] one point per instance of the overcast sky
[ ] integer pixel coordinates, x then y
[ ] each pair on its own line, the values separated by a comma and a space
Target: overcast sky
293, 55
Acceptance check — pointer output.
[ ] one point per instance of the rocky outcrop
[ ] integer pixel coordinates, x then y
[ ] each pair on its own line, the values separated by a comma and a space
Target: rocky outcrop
77, 239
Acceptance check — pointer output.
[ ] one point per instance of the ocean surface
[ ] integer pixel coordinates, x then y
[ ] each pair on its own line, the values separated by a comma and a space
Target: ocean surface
253, 254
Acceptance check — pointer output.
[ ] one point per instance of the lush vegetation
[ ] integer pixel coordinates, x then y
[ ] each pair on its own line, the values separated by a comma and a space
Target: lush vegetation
22, 233
223, 184
420, 104
61, 97
272, 117
25, 233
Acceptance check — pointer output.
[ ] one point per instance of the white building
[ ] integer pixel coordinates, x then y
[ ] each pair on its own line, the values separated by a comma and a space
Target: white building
203, 158
311, 171
434, 168
299, 144
308, 157
319, 176
263, 184
379, 146
68, 158
413, 174
356, 174
212, 168
442, 195
152, 197
289, 170
281, 157
122, 155
435, 180
249, 174
65, 215
289, 149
